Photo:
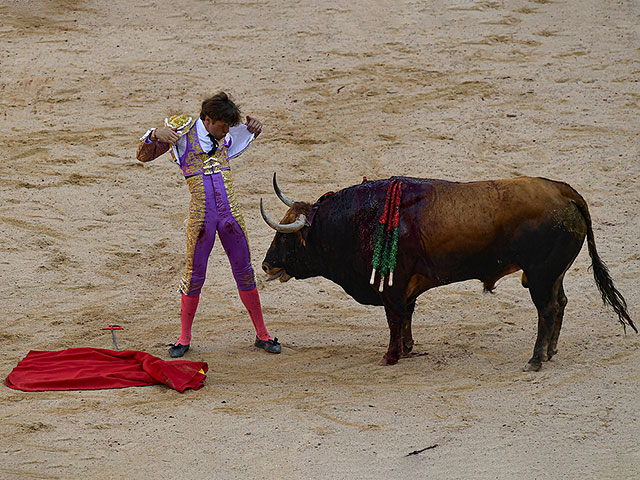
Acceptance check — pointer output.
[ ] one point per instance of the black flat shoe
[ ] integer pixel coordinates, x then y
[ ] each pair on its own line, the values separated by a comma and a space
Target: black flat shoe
178, 350
271, 346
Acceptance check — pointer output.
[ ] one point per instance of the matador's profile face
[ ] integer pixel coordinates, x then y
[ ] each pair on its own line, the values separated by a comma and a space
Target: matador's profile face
217, 128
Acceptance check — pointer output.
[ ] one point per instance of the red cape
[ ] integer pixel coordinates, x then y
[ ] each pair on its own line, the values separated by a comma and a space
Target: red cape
95, 368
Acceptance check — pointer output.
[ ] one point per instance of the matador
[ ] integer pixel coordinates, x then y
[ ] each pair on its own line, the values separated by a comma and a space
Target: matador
202, 147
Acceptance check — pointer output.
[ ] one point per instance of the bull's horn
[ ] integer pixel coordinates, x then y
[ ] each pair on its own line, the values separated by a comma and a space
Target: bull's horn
286, 200
289, 227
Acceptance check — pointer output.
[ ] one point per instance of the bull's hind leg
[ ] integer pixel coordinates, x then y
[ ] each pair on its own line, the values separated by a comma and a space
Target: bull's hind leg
561, 300
549, 299
545, 271
542, 298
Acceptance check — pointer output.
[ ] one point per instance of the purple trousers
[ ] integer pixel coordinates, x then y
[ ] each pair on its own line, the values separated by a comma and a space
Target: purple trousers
213, 209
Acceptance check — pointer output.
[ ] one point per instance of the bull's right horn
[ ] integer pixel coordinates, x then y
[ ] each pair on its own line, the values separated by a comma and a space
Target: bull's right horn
289, 227
286, 200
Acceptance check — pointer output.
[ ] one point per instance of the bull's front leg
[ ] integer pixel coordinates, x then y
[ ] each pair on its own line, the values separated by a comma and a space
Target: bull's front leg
407, 336
400, 338
395, 337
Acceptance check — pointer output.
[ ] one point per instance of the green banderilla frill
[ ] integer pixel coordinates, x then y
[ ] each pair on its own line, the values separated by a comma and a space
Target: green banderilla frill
386, 246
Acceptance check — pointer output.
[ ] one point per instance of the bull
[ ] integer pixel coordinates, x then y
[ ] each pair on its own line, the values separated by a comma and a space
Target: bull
448, 232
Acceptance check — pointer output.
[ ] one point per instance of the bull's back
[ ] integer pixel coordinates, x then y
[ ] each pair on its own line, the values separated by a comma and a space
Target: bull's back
485, 230
477, 213
442, 213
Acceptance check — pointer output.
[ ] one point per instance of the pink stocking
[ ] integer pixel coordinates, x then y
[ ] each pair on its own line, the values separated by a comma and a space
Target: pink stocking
188, 309
251, 301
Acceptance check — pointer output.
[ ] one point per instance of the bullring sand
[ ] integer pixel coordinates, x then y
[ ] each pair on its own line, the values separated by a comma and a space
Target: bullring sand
462, 90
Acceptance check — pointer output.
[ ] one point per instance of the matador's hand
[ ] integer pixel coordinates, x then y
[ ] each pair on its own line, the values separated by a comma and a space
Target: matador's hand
254, 125
166, 135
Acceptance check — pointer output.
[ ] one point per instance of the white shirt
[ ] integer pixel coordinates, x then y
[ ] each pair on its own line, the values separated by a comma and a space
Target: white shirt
237, 140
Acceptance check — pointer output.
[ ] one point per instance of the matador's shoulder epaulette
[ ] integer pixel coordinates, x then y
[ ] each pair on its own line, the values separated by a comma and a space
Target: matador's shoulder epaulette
182, 122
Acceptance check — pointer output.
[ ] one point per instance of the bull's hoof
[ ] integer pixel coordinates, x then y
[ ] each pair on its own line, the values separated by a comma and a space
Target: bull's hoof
387, 361
532, 367
551, 353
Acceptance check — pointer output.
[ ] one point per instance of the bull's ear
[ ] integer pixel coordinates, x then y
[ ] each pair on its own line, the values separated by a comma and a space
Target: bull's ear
302, 235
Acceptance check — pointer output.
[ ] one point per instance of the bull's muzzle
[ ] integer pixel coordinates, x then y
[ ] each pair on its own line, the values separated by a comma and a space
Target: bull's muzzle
275, 273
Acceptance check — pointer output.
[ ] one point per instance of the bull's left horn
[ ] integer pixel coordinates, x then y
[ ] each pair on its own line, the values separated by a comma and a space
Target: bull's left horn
289, 227
286, 200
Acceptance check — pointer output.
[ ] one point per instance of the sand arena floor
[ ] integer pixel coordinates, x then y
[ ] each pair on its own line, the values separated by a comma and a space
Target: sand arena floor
461, 90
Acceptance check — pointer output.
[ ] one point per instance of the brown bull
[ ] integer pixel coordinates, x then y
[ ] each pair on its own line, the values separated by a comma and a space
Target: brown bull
449, 232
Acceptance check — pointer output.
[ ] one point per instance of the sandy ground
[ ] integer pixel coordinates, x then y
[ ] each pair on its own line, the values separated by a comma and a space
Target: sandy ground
461, 90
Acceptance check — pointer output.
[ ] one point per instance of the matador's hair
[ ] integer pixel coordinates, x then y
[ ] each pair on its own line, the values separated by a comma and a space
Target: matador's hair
221, 107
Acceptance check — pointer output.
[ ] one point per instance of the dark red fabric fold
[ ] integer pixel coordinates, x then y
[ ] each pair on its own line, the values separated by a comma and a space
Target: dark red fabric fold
95, 368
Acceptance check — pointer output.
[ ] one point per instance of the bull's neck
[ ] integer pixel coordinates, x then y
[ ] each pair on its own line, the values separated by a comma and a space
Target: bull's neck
327, 258
308, 263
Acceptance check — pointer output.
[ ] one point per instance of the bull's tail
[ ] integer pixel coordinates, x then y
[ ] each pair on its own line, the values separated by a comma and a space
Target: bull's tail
610, 295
